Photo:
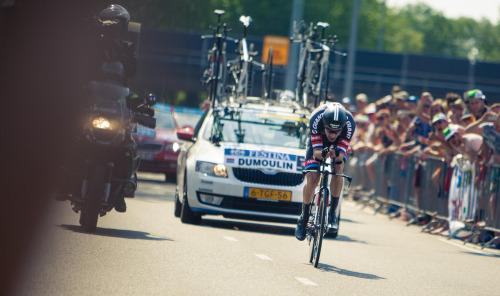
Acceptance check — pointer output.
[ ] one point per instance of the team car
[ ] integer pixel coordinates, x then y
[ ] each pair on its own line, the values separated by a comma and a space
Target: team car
243, 160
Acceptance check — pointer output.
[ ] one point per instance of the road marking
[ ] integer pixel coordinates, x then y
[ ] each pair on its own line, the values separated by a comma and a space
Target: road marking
263, 257
306, 281
231, 239
461, 245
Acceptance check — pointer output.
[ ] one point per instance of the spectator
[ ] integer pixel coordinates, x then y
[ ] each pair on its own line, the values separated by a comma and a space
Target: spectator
383, 137
420, 128
468, 145
361, 102
456, 110
360, 138
450, 99
411, 103
495, 108
395, 89
346, 102
436, 107
475, 127
438, 146
489, 155
467, 118
475, 100
400, 103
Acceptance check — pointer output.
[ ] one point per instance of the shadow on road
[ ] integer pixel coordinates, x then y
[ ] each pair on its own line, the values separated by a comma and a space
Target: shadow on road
329, 268
119, 233
249, 226
344, 238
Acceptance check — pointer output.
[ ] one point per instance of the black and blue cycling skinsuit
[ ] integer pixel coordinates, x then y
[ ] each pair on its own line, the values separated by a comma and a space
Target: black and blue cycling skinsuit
318, 140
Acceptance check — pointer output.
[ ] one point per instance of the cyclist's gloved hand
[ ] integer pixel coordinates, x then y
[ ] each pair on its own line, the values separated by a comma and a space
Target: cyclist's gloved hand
325, 151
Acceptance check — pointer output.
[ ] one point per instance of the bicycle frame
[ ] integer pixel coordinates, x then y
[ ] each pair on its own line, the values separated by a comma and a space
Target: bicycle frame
314, 60
214, 74
241, 68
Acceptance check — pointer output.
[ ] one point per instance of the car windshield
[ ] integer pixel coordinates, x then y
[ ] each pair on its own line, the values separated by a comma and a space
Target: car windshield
187, 116
164, 120
260, 128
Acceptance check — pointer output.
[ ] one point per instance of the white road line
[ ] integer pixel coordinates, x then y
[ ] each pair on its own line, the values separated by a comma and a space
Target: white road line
461, 245
263, 257
230, 238
306, 281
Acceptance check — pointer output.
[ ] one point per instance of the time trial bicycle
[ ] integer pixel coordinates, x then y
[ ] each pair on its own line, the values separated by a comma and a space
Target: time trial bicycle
317, 226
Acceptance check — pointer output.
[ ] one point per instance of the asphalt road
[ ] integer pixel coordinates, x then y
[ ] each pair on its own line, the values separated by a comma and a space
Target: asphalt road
147, 251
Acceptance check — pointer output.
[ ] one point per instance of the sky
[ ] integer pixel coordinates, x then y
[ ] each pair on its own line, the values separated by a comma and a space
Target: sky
475, 9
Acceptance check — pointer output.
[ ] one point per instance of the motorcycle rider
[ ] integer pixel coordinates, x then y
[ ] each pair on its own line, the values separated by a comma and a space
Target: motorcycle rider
107, 33
113, 59
331, 129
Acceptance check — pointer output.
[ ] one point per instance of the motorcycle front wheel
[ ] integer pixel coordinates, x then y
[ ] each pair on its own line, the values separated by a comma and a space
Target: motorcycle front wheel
92, 202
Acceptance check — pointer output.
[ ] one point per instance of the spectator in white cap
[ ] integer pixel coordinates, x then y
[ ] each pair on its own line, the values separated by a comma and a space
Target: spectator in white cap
438, 146
401, 98
361, 102
475, 100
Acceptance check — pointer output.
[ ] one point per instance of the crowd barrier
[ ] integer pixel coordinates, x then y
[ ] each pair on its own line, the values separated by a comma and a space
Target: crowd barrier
433, 192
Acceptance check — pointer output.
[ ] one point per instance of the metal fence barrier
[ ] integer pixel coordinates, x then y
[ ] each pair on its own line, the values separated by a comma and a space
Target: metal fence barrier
430, 189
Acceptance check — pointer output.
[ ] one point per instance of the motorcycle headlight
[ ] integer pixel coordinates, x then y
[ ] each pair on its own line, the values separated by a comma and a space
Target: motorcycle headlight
211, 169
102, 123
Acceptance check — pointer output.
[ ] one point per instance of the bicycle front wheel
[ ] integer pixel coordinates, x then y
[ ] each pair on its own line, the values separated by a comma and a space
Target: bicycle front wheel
312, 237
321, 226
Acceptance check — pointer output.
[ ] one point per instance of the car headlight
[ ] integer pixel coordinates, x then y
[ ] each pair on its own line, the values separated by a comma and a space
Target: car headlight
102, 123
211, 169
173, 147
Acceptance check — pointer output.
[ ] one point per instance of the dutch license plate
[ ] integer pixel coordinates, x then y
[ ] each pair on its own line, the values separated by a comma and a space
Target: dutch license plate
268, 194
145, 155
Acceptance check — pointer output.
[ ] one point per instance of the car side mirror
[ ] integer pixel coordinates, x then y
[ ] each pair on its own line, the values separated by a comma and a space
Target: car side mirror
185, 133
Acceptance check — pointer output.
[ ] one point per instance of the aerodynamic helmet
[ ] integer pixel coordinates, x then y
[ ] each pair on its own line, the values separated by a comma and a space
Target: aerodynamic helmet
115, 12
335, 117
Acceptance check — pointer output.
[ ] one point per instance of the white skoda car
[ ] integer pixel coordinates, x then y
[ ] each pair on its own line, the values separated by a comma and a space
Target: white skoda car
243, 161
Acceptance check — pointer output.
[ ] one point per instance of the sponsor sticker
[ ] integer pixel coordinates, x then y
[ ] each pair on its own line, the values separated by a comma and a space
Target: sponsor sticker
263, 160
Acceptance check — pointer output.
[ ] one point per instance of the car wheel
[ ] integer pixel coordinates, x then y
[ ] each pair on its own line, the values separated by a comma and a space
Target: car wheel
187, 216
170, 178
178, 205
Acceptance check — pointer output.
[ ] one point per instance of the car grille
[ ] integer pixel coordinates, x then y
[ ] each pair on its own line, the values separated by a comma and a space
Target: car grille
151, 147
257, 176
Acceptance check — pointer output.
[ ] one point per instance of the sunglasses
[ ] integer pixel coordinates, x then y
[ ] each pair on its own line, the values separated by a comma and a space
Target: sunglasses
438, 122
382, 117
427, 106
330, 131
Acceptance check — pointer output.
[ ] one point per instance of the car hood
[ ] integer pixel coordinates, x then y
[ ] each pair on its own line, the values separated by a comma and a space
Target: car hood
267, 158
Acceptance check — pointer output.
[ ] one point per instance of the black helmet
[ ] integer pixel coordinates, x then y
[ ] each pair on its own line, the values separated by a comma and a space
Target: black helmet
335, 116
115, 12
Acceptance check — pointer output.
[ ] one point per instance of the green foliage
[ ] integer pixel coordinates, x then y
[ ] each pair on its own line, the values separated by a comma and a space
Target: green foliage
414, 28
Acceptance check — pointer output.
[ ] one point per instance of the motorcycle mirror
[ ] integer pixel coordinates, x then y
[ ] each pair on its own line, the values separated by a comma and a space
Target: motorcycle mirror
151, 99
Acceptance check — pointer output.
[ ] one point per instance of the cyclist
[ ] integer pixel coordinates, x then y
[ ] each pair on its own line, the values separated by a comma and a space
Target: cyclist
331, 128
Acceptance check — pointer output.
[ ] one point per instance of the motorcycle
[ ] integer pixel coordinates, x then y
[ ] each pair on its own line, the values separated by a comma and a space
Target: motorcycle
104, 158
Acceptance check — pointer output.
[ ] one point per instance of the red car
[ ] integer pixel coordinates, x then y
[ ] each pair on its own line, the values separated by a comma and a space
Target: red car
159, 147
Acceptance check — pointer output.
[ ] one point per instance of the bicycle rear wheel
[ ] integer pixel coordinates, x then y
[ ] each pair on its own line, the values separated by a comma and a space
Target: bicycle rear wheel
321, 226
